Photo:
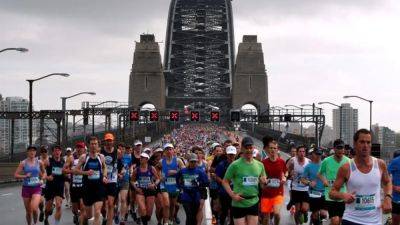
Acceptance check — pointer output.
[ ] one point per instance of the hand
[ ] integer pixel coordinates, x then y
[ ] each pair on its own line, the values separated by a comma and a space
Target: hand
387, 205
90, 172
152, 186
50, 178
28, 175
313, 183
105, 180
237, 197
139, 191
349, 197
172, 172
326, 183
213, 176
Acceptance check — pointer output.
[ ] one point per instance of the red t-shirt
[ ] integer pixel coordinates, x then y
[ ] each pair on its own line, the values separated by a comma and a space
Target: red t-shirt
275, 170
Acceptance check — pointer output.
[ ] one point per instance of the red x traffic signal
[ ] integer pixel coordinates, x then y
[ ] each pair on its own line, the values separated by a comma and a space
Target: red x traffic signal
214, 116
174, 116
153, 116
195, 116
134, 116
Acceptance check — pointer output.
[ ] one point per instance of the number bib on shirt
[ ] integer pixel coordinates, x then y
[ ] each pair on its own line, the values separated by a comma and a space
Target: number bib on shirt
144, 182
274, 183
77, 179
250, 181
170, 181
315, 194
33, 181
365, 202
95, 176
56, 171
190, 181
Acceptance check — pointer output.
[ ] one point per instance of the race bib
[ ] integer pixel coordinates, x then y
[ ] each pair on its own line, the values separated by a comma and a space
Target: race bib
144, 182
365, 202
33, 181
315, 194
95, 176
77, 179
56, 171
190, 181
110, 169
170, 181
330, 182
274, 183
250, 181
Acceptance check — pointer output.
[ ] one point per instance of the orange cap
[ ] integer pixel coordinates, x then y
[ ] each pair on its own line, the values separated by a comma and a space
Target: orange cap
109, 136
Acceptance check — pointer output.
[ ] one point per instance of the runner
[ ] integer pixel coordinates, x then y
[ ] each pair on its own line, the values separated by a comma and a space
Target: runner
394, 170
219, 156
170, 167
327, 174
55, 170
299, 194
290, 205
67, 183
111, 189
44, 157
77, 183
364, 177
225, 199
137, 150
145, 180
124, 175
202, 165
31, 170
155, 161
94, 170
190, 181
272, 195
316, 190
246, 175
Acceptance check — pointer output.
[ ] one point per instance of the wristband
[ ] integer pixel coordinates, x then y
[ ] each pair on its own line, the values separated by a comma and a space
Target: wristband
389, 196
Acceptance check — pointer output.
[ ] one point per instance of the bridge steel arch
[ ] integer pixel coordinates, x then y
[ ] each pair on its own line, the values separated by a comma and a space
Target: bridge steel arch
199, 54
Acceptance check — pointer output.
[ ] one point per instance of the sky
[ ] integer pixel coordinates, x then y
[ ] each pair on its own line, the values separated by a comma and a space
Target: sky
314, 50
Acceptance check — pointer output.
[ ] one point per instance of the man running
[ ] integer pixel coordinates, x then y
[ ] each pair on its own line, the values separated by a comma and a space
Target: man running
77, 183
111, 189
394, 170
31, 170
124, 181
170, 167
137, 150
94, 170
272, 195
299, 193
246, 174
55, 170
364, 177
327, 174
67, 178
316, 190
44, 157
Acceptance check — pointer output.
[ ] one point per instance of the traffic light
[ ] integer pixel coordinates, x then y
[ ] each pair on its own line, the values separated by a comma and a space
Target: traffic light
85, 117
214, 116
154, 116
235, 116
134, 116
174, 116
194, 116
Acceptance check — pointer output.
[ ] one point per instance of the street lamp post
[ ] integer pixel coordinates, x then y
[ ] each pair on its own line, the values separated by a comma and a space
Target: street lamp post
316, 123
279, 111
94, 106
65, 119
30, 81
301, 116
14, 49
340, 116
370, 107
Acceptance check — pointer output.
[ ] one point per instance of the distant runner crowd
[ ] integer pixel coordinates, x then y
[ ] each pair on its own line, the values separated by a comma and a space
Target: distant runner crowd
111, 183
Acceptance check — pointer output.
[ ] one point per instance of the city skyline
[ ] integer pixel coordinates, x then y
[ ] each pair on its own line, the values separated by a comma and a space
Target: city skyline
335, 45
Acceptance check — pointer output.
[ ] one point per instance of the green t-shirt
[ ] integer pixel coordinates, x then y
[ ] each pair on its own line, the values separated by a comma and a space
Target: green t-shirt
245, 179
329, 169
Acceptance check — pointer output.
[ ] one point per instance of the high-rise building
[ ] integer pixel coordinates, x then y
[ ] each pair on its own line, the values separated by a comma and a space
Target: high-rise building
386, 138
21, 127
349, 120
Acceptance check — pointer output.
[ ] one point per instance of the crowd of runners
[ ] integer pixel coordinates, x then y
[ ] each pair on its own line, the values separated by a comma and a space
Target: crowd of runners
111, 183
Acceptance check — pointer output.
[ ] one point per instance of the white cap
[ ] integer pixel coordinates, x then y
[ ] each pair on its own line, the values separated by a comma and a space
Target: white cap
214, 145
158, 150
69, 149
145, 155
138, 142
231, 150
255, 152
168, 145
147, 150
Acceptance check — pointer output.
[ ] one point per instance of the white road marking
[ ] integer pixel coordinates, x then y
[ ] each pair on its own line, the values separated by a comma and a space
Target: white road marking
7, 194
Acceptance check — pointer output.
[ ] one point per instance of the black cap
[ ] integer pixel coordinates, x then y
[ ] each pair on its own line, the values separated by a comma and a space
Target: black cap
31, 147
317, 151
338, 143
247, 141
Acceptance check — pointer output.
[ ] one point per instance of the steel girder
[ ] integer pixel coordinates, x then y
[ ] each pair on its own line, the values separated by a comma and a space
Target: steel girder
199, 54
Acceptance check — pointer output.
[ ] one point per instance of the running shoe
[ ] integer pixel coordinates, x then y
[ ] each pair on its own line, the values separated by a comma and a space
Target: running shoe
177, 220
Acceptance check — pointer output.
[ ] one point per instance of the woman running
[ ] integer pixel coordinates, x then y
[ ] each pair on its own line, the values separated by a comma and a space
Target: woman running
31, 170
145, 180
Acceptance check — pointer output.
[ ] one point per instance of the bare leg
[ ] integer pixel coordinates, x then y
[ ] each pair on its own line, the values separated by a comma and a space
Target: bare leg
28, 210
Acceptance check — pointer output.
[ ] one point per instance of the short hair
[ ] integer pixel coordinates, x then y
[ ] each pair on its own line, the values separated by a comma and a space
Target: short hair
267, 140
228, 141
301, 146
359, 132
121, 144
56, 147
93, 138
196, 148
396, 154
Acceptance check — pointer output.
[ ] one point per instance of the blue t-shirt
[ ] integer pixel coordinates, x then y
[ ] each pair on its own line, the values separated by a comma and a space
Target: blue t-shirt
310, 173
394, 170
220, 171
190, 181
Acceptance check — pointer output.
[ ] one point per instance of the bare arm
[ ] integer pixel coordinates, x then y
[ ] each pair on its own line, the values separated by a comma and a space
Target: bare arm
18, 171
78, 169
341, 178
386, 182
